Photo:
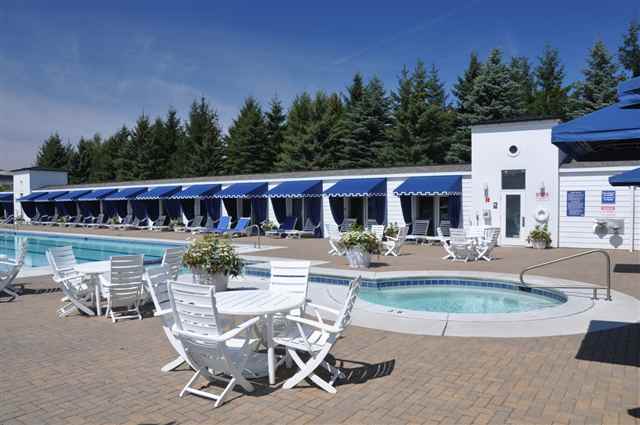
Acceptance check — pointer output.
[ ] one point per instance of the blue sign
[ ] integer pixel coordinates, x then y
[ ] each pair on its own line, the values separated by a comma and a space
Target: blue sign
608, 196
575, 203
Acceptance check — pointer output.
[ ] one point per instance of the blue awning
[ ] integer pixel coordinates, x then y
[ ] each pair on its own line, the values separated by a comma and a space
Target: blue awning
96, 195
124, 194
628, 178
204, 191
6, 197
243, 190
160, 192
32, 196
600, 130
430, 186
51, 196
358, 187
297, 189
72, 196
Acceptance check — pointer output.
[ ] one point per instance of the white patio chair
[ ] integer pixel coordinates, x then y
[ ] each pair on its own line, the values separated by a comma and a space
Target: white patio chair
419, 230
157, 282
290, 277
172, 259
78, 295
378, 230
10, 270
392, 245
317, 338
347, 224
461, 247
333, 236
211, 352
123, 287
490, 241
445, 244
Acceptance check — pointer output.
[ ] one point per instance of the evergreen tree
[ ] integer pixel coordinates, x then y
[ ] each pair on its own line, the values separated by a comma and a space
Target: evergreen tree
174, 144
276, 124
84, 161
327, 112
296, 152
463, 88
495, 94
108, 160
397, 151
126, 156
551, 96
203, 141
248, 151
629, 52
53, 154
600, 84
142, 140
522, 75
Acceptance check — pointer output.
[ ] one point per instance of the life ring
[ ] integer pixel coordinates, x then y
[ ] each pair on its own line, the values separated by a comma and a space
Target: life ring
541, 215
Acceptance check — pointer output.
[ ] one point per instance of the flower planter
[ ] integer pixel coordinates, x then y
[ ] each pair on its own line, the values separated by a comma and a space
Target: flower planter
219, 280
358, 258
539, 244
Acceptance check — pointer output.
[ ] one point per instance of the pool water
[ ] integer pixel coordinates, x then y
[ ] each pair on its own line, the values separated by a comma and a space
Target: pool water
458, 299
85, 248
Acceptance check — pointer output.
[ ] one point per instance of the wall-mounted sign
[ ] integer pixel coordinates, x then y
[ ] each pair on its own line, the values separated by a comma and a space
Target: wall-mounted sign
608, 201
542, 196
575, 203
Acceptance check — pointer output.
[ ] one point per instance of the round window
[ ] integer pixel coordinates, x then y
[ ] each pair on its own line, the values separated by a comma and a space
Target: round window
513, 150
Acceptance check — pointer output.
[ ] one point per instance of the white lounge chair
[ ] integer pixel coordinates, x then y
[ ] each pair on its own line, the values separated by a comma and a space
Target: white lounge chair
195, 224
212, 352
392, 245
461, 247
347, 224
316, 338
123, 287
78, 295
419, 231
444, 240
172, 260
125, 222
9, 270
378, 230
157, 283
160, 224
309, 229
485, 248
333, 235
288, 225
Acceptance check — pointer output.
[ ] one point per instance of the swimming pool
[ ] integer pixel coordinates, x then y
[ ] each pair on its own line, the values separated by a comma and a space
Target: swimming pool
85, 248
462, 296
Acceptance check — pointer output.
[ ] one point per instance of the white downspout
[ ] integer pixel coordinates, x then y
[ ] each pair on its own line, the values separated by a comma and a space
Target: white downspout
633, 219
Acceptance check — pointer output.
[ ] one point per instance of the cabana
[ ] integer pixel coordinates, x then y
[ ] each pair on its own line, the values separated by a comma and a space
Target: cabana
67, 204
358, 199
433, 198
120, 203
153, 201
245, 200
90, 204
631, 179
46, 204
28, 205
194, 200
301, 199
6, 204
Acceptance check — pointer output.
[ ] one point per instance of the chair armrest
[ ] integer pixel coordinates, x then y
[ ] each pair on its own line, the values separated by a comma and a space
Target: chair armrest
312, 323
238, 329
323, 308
163, 312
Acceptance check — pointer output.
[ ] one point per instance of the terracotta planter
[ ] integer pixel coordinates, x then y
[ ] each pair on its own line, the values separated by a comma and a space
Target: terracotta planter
539, 244
358, 258
219, 280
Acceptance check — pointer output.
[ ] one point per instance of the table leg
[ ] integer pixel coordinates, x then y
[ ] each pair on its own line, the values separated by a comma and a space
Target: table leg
96, 284
271, 352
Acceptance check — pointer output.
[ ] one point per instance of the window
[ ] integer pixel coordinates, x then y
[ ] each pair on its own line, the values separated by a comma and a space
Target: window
513, 179
514, 150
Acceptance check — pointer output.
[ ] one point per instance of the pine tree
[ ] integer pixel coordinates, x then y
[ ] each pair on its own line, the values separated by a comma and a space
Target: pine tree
174, 144
296, 154
495, 94
109, 158
551, 96
143, 164
327, 115
521, 74
629, 52
463, 88
203, 140
599, 87
397, 151
53, 154
248, 151
84, 160
126, 157
276, 125
153, 158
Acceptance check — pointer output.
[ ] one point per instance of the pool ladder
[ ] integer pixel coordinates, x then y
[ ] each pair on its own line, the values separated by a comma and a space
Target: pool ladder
570, 257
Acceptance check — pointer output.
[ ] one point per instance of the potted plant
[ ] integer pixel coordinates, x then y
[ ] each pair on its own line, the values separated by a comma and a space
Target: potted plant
392, 230
212, 261
359, 246
268, 226
539, 237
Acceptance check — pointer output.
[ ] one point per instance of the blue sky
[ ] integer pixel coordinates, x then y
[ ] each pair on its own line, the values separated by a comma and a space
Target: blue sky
80, 67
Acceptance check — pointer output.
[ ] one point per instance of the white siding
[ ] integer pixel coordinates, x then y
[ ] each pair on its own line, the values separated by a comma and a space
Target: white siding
271, 215
579, 232
394, 209
327, 218
467, 201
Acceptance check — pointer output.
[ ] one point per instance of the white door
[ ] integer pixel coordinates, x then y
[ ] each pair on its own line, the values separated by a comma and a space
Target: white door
513, 218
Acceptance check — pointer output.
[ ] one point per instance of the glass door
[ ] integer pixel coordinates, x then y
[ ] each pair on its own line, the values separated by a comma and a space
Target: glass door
513, 222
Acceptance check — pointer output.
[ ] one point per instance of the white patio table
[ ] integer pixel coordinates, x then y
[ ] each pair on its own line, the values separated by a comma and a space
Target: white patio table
93, 270
259, 302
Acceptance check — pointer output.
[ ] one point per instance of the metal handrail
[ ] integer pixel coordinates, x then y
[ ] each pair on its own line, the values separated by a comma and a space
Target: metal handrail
570, 257
257, 243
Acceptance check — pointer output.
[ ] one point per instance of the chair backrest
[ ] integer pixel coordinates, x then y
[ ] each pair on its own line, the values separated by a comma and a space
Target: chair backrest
289, 223
458, 236
224, 222
475, 231
290, 276
346, 224
160, 221
196, 221
492, 234
402, 234
242, 224
126, 276
445, 225
23, 249
378, 230
344, 317
136, 222
370, 223
420, 227
172, 260
158, 278
194, 309
62, 260
127, 219
308, 226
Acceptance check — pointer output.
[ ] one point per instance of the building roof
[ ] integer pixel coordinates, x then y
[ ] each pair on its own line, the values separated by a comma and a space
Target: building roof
426, 169
39, 169
517, 120
600, 164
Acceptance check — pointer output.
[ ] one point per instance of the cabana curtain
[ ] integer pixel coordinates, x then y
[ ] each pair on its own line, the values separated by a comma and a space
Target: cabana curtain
337, 209
377, 208
259, 209
188, 208
407, 213
279, 208
231, 207
115, 208
171, 208
455, 205
29, 209
212, 207
139, 209
89, 208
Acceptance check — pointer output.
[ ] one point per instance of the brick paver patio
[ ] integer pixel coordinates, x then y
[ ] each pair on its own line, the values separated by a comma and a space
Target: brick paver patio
82, 370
